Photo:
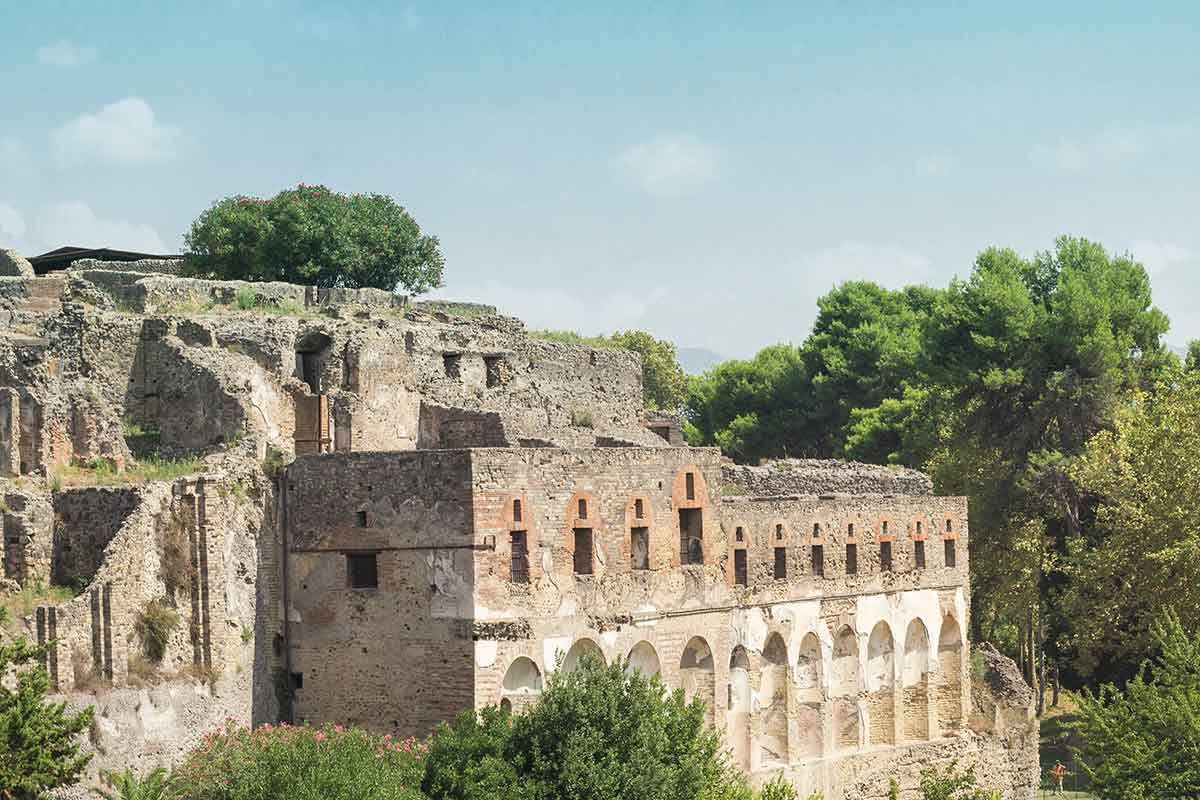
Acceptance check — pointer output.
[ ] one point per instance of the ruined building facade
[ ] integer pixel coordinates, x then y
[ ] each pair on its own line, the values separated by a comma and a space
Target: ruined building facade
397, 513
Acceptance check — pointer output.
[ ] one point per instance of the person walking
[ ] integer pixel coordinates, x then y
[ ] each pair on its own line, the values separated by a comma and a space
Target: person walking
1058, 773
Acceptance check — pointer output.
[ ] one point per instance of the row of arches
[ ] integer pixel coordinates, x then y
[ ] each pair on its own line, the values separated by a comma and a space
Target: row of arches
831, 697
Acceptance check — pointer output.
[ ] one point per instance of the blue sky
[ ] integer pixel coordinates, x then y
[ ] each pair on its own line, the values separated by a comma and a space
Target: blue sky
704, 171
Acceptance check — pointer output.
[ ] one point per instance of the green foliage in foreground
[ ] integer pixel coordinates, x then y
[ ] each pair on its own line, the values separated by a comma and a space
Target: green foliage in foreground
596, 733
951, 783
1144, 743
313, 236
125, 785
298, 763
38, 747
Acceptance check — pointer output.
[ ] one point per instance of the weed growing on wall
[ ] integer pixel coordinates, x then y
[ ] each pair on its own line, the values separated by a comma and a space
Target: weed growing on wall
154, 627
174, 555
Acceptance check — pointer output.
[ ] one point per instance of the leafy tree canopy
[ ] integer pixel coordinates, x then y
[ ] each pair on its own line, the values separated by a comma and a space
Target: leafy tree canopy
664, 384
38, 747
313, 236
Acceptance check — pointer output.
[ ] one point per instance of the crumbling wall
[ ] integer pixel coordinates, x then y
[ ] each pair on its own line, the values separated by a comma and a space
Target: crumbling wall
85, 521
820, 476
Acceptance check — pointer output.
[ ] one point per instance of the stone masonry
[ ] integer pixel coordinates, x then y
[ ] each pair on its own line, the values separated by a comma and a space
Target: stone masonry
398, 513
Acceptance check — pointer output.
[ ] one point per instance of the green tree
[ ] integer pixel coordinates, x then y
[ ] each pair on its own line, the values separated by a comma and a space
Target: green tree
664, 384
1139, 557
1192, 360
1144, 743
596, 733
313, 236
38, 747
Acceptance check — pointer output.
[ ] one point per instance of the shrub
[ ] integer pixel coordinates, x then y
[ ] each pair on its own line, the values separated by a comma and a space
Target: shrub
582, 418
778, 789
175, 555
951, 783
300, 763
245, 298
39, 751
154, 627
596, 733
311, 235
125, 785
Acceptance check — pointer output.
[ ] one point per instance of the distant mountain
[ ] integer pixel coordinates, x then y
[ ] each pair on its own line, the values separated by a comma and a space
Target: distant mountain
696, 360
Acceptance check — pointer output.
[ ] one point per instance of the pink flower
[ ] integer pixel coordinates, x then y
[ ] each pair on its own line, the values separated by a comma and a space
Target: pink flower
319, 736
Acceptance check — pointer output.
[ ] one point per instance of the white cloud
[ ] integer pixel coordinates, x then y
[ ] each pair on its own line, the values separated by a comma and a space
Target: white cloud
65, 54
670, 165
124, 132
935, 166
1159, 257
14, 159
1111, 145
12, 227
73, 223
584, 311
890, 265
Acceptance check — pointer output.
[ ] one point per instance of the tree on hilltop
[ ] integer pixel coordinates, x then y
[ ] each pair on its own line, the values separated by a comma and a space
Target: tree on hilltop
316, 237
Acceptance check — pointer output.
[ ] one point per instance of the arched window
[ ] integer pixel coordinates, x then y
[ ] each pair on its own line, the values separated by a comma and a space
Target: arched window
772, 744
881, 680
739, 694
696, 676
584, 648
915, 682
950, 685
643, 658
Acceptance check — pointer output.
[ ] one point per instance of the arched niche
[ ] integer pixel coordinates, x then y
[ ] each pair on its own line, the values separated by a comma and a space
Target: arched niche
881, 679
950, 685
771, 730
846, 681
739, 699
914, 679
697, 677
522, 677
582, 648
809, 666
643, 658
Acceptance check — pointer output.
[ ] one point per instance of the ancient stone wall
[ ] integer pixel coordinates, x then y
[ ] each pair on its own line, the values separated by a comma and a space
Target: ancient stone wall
85, 521
825, 476
379, 588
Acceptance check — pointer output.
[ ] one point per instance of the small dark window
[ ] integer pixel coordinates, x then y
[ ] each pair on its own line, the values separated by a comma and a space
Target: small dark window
739, 534
919, 554
850, 529
362, 570
639, 548
450, 363
948, 526
516, 510
918, 528
638, 510
816, 529
885, 527
583, 551
691, 536
885, 556
778, 532
780, 563
583, 509
739, 568
297, 680
493, 369
362, 519
818, 560
951, 555
690, 481
851, 559
520, 557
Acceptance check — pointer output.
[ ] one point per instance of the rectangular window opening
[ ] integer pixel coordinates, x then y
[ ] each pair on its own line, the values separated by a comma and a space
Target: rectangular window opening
638, 510
919, 554
583, 509
494, 370
951, 555
885, 527
451, 364
816, 529
362, 570
740, 576
516, 510
780, 563
818, 560
520, 557
739, 534
850, 529
691, 536
851, 559
690, 481
948, 526
778, 532
918, 528
297, 680
361, 518
583, 551
885, 556
639, 548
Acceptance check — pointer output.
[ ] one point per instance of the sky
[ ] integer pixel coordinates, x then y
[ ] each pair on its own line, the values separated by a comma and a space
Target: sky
703, 171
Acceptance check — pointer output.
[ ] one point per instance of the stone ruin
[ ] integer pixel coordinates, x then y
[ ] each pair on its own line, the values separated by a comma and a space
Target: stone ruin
387, 513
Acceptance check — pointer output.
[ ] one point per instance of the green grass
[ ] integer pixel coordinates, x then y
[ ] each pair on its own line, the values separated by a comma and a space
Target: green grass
25, 602
245, 299
453, 309
104, 472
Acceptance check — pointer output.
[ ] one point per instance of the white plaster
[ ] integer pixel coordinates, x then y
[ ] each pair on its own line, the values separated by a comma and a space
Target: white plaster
485, 652
551, 647
749, 628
